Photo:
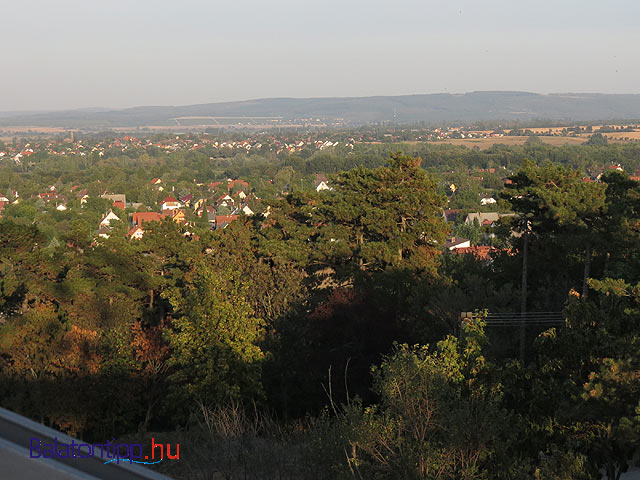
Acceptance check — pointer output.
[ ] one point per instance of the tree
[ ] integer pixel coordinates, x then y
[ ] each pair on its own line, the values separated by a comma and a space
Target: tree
591, 371
555, 206
213, 337
388, 216
434, 420
597, 139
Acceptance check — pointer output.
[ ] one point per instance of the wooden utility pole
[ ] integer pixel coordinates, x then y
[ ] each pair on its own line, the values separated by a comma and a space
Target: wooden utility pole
523, 298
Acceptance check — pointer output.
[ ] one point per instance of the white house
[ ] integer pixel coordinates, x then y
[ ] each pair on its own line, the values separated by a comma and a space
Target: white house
136, 233
170, 203
487, 201
322, 186
454, 243
321, 183
225, 201
247, 211
108, 218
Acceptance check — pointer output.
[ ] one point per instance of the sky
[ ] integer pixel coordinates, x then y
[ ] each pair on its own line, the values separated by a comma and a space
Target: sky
66, 54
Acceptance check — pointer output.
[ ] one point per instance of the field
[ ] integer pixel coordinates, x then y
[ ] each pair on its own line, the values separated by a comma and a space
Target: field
484, 143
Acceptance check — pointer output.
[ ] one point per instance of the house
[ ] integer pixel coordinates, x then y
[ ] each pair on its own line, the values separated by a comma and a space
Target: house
186, 199
157, 184
170, 203
115, 197
239, 183
198, 204
104, 232
481, 252
247, 211
457, 242
61, 207
144, 217
48, 196
483, 218
487, 201
177, 216
225, 201
451, 214
83, 196
211, 215
108, 218
200, 211
135, 233
119, 205
321, 183
223, 220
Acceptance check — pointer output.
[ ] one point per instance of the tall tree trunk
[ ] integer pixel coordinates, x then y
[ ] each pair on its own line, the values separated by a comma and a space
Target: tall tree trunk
587, 268
523, 298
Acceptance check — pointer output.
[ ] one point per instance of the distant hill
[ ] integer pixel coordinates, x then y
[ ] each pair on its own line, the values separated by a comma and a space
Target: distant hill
432, 109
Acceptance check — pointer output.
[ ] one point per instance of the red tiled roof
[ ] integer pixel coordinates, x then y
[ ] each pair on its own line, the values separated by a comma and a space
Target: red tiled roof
481, 252
134, 230
232, 183
140, 217
225, 219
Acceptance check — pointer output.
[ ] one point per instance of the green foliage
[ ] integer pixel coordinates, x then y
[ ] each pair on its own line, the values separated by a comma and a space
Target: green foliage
434, 418
318, 288
597, 139
213, 337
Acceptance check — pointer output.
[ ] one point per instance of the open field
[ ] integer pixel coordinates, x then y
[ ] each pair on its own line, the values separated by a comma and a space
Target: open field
484, 143
34, 129
623, 136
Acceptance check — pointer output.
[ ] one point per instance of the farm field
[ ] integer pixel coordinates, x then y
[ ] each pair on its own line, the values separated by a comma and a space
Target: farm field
484, 143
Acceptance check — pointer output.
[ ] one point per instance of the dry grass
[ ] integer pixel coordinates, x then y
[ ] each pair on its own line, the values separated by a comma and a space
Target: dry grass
623, 136
229, 443
34, 129
484, 143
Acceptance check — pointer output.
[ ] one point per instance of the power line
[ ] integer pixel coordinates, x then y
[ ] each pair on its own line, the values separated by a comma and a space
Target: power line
510, 319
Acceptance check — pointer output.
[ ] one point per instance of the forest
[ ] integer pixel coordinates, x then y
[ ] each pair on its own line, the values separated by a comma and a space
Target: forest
322, 337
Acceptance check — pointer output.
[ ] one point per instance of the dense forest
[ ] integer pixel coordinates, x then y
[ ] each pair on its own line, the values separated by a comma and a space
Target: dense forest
322, 336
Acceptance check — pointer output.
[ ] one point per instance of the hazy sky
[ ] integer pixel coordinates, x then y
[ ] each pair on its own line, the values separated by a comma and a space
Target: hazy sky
59, 54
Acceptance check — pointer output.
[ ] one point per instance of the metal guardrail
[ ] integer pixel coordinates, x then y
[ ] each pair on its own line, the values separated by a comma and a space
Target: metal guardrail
16, 432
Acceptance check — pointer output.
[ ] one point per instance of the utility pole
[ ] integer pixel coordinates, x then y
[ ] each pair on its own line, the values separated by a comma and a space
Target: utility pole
523, 298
